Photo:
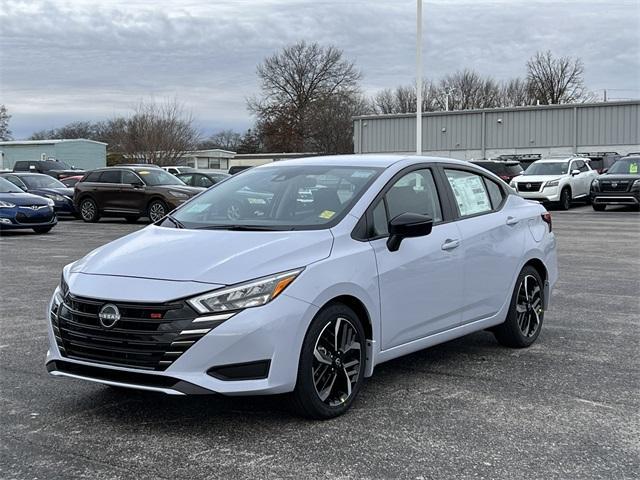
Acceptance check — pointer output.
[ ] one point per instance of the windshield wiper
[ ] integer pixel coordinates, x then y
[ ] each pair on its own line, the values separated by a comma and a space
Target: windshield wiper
177, 223
243, 228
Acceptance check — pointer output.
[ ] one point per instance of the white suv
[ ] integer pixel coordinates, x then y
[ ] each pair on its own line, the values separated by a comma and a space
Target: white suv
556, 180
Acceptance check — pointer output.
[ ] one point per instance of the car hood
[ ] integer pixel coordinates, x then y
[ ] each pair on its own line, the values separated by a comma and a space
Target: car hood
68, 192
23, 199
537, 178
623, 177
220, 257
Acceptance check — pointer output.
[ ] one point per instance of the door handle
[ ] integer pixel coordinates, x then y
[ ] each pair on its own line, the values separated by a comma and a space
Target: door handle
512, 221
450, 244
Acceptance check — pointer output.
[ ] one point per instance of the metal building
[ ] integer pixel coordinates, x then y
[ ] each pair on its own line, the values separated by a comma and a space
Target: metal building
80, 153
488, 133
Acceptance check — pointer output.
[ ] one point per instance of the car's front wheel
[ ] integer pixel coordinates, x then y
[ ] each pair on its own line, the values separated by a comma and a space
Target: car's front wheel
331, 368
89, 210
526, 312
157, 210
565, 199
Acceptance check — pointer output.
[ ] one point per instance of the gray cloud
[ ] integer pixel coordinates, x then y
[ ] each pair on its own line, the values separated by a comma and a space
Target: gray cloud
62, 61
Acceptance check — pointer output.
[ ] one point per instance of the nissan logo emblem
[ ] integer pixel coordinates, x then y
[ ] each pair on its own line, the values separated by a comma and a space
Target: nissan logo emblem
109, 315
528, 185
614, 185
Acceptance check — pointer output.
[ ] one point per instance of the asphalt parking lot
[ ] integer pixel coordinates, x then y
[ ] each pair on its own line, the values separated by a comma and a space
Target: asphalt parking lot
566, 408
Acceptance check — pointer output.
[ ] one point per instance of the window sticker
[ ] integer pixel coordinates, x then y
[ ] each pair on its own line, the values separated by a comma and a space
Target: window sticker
327, 214
633, 168
470, 194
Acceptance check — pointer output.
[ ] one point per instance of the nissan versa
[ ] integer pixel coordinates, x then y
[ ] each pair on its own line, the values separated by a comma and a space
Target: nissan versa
325, 268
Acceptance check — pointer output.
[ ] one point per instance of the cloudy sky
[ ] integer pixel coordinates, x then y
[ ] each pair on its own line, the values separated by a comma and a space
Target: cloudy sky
66, 60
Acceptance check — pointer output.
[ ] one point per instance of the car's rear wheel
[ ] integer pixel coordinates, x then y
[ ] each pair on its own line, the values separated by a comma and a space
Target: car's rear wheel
526, 312
331, 367
565, 199
157, 210
598, 207
42, 229
89, 210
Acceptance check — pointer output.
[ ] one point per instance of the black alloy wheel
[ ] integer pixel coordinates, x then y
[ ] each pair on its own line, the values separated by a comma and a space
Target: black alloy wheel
526, 312
89, 210
331, 368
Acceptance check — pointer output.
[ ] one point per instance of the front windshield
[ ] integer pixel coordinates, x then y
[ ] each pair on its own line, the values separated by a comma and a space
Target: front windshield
157, 176
628, 166
41, 181
278, 198
7, 187
547, 168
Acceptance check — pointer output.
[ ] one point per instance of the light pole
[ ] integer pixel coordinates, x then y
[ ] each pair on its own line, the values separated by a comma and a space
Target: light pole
419, 80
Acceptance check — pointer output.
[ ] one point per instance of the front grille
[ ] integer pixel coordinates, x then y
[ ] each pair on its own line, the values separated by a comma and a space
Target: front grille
614, 186
529, 186
147, 336
37, 218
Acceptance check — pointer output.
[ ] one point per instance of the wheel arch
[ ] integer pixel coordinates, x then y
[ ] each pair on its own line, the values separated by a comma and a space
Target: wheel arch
539, 266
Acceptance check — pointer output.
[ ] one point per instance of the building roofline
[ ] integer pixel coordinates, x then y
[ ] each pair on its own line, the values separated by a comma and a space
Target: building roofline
500, 109
49, 142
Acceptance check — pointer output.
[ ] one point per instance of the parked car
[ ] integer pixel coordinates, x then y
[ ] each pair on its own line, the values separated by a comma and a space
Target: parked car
45, 186
202, 178
560, 181
238, 168
54, 168
71, 181
20, 210
129, 192
619, 186
506, 170
176, 169
392, 255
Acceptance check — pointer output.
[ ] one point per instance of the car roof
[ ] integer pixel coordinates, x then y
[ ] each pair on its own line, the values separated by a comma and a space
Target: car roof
24, 174
362, 160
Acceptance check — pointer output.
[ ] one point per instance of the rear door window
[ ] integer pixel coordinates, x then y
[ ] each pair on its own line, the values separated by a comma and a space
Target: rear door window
93, 177
130, 178
469, 191
110, 176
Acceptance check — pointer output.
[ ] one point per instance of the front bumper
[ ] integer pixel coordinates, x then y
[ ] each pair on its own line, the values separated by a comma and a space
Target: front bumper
9, 219
547, 194
272, 333
615, 198
64, 207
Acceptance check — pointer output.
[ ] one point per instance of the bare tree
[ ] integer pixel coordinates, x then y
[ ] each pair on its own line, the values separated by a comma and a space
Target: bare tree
293, 82
159, 133
555, 80
5, 133
467, 90
403, 99
515, 93
224, 139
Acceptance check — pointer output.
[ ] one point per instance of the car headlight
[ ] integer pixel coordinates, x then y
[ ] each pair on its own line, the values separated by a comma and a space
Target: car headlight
55, 197
595, 184
553, 183
50, 202
178, 194
4, 204
251, 294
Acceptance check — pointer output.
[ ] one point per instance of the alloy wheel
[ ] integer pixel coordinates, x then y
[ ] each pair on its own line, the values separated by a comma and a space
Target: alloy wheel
156, 211
336, 361
88, 210
529, 306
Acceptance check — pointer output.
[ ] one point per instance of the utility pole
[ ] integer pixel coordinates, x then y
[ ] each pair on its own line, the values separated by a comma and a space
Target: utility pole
419, 80
605, 94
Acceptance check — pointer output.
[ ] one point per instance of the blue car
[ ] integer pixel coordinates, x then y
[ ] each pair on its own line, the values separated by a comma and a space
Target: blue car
45, 186
20, 210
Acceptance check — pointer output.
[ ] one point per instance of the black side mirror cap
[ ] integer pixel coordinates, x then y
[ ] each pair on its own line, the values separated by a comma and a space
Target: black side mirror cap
407, 225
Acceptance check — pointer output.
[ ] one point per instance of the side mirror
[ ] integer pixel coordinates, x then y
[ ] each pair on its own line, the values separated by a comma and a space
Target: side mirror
407, 225
575, 172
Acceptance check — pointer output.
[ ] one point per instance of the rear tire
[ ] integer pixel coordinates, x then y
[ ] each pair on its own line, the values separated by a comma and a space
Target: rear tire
526, 312
331, 367
598, 207
565, 199
42, 229
89, 210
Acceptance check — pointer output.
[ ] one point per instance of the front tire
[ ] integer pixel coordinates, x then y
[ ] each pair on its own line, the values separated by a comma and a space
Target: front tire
157, 209
331, 367
565, 199
89, 210
526, 312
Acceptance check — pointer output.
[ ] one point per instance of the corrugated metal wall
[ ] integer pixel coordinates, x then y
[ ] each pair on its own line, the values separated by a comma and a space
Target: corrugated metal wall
81, 154
615, 123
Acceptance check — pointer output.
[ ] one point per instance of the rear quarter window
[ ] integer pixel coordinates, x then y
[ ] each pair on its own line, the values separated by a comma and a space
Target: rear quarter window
92, 177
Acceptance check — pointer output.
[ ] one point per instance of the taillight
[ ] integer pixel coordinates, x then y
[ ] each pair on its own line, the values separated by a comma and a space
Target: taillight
546, 218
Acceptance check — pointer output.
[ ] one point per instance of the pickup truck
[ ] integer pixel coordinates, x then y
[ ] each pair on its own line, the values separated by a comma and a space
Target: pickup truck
53, 168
